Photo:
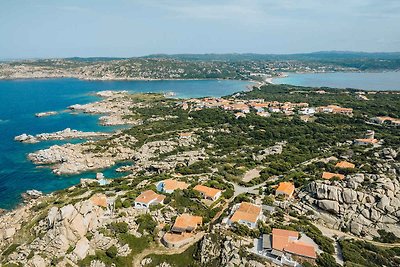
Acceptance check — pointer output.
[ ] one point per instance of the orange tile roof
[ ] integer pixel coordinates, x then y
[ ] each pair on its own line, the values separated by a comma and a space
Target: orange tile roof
207, 191
99, 200
286, 188
329, 175
185, 134
301, 248
187, 222
286, 240
171, 184
246, 212
345, 165
367, 140
287, 233
149, 196
259, 105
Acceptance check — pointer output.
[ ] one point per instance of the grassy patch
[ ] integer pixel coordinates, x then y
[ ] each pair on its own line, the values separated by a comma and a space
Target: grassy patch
184, 259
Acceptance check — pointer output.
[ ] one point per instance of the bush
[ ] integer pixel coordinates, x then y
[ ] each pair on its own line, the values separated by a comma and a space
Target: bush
326, 260
146, 223
112, 252
118, 227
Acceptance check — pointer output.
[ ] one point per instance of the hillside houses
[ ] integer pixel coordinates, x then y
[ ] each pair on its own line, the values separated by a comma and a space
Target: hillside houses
262, 108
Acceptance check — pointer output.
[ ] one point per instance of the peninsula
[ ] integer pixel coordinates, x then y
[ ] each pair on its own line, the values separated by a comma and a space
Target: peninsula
217, 181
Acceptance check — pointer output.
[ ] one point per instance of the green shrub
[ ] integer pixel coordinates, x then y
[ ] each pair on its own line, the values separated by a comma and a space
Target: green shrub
118, 227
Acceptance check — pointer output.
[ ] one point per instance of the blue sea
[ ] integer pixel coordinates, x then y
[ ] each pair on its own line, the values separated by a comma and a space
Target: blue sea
21, 99
359, 80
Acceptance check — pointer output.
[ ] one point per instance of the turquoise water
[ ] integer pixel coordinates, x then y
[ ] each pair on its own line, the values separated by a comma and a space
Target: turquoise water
21, 99
359, 80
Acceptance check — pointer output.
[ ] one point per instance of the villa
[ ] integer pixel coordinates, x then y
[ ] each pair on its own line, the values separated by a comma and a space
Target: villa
329, 175
366, 141
247, 214
335, 110
182, 231
383, 119
185, 135
306, 111
186, 223
285, 246
208, 192
286, 189
170, 185
345, 165
148, 198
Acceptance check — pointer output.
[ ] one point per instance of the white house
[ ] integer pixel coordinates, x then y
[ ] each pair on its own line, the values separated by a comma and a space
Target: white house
247, 214
148, 198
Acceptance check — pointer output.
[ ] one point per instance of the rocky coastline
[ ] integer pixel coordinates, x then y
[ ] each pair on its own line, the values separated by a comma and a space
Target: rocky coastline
67, 133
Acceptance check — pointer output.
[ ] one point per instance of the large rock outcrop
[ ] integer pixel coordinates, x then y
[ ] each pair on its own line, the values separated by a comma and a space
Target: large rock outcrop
363, 203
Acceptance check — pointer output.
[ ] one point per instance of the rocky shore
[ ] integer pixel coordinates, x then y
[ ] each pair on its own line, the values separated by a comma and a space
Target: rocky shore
115, 107
77, 158
46, 114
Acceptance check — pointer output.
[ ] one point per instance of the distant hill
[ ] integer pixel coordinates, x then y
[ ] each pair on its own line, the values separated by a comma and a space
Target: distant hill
94, 59
315, 56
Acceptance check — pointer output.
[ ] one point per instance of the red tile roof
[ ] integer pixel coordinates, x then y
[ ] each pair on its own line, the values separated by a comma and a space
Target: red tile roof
149, 196
285, 187
207, 191
329, 175
246, 212
345, 165
287, 241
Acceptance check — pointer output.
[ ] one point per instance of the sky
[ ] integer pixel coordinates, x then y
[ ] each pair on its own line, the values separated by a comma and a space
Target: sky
128, 28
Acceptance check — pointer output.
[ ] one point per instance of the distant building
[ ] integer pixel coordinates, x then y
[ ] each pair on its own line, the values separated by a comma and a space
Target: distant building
240, 115
369, 139
185, 135
247, 214
345, 165
335, 110
329, 175
286, 189
170, 185
384, 119
365, 141
264, 114
101, 179
148, 198
274, 109
101, 200
208, 192
306, 111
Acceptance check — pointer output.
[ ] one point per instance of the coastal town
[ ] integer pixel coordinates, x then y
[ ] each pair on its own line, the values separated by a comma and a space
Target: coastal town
251, 179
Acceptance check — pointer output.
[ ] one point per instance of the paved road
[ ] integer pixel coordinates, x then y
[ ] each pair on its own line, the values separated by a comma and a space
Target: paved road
243, 189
